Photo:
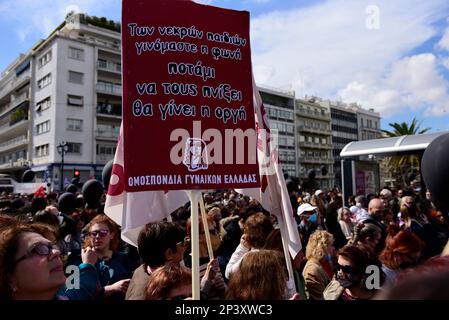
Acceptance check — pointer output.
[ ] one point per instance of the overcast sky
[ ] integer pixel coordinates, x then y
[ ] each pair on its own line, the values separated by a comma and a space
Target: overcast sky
392, 56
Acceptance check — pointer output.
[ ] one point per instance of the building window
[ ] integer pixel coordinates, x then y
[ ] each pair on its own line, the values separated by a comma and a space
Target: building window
75, 53
76, 101
44, 81
43, 127
76, 77
302, 139
105, 150
42, 151
42, 61
282, 141
43, 104
73, 147
74, 124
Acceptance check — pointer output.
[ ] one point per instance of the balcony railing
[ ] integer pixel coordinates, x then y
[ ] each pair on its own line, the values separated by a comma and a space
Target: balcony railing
315, 145
104, 157
109, 109
107, 134
315, 160
311, 113
5, 109
109, 88
109, 66
9, 126
23, 97
13, 143
315, 130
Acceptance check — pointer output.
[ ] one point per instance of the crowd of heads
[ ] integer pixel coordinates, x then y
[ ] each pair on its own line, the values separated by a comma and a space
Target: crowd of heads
389, 233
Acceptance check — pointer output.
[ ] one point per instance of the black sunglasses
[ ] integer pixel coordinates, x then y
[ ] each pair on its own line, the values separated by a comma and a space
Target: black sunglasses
41, 249
102, 233
346, 269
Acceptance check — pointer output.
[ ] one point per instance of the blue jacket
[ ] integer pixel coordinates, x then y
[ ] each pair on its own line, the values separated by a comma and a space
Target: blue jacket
88, 280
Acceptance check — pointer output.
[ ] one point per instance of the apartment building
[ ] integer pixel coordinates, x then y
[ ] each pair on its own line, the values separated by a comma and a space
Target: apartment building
280, 108
67, 88
314, 141
350, 122
369, 124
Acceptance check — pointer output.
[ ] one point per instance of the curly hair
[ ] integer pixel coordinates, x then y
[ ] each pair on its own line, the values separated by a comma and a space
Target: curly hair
401, 247
318, 243
261, 276
257, 228
113, 228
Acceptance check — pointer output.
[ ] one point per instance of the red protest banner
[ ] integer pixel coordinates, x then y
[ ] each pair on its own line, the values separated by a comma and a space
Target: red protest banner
188, 111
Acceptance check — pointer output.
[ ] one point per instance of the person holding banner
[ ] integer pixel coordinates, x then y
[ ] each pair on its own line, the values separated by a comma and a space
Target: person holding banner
212, 283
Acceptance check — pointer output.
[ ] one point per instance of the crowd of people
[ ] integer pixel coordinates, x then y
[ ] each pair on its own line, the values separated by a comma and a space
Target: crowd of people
373, 248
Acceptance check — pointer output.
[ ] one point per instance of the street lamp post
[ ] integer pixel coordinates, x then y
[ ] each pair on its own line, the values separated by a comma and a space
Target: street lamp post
62, 149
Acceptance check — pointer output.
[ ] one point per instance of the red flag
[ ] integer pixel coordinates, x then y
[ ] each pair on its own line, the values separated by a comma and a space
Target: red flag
135, 209
40, 192
272, 194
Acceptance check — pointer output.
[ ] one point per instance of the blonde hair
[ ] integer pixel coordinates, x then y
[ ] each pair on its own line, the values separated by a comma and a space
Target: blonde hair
318, 243
340, 212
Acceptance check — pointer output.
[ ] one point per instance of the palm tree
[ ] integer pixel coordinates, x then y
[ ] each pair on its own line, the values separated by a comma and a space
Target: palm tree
402, 129
400, 166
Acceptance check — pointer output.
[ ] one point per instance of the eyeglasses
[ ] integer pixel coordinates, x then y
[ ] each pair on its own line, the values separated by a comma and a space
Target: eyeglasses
347, 269
102, 233
41, 249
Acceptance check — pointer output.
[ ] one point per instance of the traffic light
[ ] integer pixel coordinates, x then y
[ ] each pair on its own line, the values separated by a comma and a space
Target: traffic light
76, 174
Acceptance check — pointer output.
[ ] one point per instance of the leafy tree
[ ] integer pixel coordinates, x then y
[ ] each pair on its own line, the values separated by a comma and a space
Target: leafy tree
402, 166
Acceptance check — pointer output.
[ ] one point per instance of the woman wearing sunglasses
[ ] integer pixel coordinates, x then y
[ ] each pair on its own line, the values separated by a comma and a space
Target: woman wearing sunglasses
113, 267
349, 280
31, 267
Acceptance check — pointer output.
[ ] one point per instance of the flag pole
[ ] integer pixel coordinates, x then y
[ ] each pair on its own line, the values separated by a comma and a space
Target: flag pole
194, 196
284, 235
206, 228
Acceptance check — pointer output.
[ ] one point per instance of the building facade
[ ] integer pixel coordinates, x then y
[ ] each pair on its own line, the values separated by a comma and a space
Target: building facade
280, 110
350, 122
368, 124
314, 142
344, 130
66, 88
